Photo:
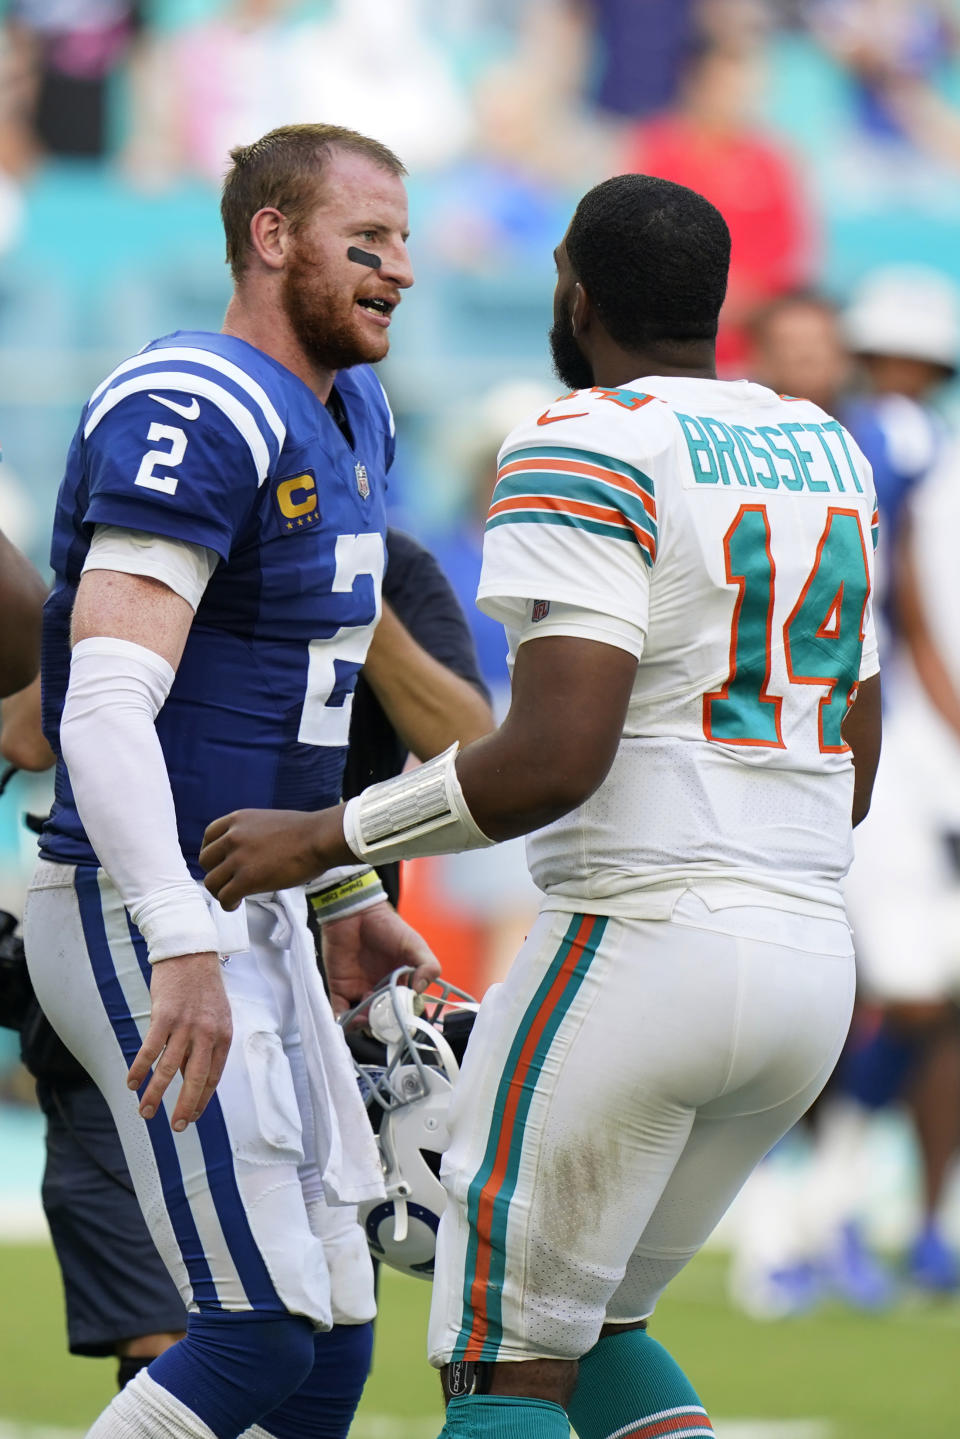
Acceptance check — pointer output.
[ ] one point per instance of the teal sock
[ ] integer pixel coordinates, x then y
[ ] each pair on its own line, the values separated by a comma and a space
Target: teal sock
495, 1416
629, 1386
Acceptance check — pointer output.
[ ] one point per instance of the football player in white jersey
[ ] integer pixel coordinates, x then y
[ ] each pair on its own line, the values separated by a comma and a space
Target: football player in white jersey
684, 567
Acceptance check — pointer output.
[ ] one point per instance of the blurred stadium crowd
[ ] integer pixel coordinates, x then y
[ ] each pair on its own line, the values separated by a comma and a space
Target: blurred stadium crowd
828, 133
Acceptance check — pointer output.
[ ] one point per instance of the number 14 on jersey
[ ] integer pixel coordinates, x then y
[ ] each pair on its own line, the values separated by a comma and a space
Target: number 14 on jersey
822, 635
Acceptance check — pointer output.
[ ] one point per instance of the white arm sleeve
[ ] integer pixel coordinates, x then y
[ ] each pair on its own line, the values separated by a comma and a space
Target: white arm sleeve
119, 779
184, 567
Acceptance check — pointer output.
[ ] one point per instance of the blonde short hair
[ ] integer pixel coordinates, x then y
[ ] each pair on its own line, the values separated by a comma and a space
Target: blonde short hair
284, 170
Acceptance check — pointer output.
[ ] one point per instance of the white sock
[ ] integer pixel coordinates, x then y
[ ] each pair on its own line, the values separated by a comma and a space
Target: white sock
145, 1410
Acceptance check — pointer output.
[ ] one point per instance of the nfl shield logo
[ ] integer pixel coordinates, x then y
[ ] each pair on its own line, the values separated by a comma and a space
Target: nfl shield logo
363, 484
539, 610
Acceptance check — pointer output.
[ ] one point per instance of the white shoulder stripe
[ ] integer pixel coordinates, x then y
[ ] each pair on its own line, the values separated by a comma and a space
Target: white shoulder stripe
213, 362
237, 413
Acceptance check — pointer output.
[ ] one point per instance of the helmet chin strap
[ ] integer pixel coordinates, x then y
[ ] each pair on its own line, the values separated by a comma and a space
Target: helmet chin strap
390, 1010
393, 1181
438, 1044
400, 1225
394, 1019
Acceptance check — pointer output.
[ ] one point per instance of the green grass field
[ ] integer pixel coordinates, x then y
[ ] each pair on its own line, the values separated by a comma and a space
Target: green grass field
847, 1376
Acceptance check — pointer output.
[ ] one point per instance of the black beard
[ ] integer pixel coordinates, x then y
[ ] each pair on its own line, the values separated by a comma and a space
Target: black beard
573, 369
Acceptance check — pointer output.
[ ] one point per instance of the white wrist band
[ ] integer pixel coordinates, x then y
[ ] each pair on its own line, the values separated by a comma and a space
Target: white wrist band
342, 891
419, 813
176, 921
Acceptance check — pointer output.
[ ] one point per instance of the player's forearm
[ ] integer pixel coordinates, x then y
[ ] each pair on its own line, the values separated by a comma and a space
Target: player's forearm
22, 593
22, 741
570, 698
428, 705
507, 789
418, 813
421, 812
558, 741
862, 732
550, 754
513, 786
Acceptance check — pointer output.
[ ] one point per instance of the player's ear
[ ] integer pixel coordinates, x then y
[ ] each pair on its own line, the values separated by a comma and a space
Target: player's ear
581, 311
269, 235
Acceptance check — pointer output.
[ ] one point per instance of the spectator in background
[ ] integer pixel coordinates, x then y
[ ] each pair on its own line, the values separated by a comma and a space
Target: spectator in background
62, 58
533, 146
805, 1239
711, 142
207, 85
904, 886
893, 51
641, 47
17, 142
797, 1236
501, 200
797, 348
903, 326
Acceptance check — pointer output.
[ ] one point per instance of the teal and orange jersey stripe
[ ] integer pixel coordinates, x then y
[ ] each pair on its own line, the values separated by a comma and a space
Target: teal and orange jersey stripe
560, 486
492, 1187
875, 527
684, 1422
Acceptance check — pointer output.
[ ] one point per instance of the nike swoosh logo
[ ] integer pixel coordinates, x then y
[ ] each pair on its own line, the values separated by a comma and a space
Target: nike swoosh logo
546, 419
189, 412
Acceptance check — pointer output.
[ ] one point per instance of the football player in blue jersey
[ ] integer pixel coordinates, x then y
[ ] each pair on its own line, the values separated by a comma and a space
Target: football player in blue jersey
218, 551
420, 687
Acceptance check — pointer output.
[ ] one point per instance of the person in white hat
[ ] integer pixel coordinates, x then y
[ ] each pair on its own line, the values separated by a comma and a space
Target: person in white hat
905, 322
903, 890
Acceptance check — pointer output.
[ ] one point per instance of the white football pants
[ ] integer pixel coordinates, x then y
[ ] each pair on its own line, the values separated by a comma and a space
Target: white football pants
618, 1089
234, 1203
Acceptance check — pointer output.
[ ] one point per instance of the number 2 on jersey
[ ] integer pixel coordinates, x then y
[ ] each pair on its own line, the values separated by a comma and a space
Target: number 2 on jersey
328, 702
822, 634
169, 459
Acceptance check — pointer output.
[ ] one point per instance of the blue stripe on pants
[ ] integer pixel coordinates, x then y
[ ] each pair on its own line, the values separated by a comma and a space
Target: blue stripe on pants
161, 1136
222, 1181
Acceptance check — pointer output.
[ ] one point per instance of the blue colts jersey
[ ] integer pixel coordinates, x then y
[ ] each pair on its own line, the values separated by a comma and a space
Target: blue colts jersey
201, 437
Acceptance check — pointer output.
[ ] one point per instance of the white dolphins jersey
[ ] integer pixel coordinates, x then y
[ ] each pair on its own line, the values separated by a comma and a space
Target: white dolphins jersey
725, 536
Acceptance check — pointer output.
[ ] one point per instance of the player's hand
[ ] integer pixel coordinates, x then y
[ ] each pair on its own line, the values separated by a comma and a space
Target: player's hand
362, 949
255, 851
190, 1032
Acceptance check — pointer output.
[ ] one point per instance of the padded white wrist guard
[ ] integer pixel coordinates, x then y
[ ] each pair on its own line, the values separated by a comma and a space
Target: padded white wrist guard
419, 813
